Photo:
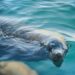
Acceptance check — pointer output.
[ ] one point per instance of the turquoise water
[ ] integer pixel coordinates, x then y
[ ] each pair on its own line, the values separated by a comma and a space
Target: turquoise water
57, 15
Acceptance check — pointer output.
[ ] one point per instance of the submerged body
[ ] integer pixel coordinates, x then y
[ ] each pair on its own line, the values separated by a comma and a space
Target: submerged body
52, 43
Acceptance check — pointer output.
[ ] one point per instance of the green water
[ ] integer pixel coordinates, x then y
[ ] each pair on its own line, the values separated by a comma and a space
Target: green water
57, 15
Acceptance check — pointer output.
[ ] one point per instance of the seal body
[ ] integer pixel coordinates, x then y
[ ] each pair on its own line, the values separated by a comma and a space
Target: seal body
53, 43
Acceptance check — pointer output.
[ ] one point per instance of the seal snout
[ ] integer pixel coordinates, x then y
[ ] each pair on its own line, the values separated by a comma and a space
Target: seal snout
57, 59
57, 56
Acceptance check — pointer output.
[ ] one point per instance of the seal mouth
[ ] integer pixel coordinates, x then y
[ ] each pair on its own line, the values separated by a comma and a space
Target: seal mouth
57, 60
58, 63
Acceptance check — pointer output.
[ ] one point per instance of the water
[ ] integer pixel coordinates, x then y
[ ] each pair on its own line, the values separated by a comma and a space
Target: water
57, 15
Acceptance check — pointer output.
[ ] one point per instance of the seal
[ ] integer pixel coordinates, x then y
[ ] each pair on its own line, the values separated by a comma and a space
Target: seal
54, 42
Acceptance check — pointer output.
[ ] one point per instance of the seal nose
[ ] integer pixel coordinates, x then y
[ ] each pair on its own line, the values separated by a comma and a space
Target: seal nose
57, 57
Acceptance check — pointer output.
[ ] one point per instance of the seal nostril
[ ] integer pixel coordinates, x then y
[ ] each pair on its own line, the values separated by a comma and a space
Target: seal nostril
57, 57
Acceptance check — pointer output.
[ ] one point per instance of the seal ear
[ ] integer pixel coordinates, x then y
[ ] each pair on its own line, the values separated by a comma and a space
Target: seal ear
42, 44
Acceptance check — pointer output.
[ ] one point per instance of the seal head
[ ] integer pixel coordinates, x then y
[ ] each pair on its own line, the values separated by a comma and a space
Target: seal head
57, 51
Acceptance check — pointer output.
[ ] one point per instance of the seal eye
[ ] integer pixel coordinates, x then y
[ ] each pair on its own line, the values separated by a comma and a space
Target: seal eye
51, 46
